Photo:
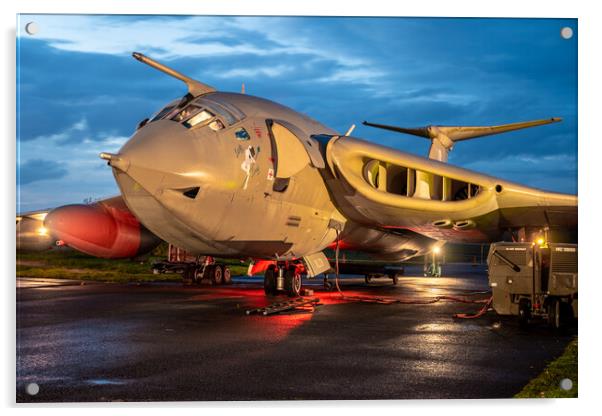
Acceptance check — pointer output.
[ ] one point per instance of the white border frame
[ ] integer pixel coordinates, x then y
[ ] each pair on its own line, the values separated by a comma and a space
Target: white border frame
590, 71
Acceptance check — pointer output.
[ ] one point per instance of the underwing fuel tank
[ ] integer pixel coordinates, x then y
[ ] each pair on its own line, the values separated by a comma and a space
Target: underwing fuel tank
106, 230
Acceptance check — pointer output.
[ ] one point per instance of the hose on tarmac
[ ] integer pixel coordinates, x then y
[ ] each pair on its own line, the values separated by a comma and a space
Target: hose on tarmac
389, 301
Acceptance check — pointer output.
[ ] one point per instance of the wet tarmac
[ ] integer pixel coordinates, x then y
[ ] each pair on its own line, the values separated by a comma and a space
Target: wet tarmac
168, 342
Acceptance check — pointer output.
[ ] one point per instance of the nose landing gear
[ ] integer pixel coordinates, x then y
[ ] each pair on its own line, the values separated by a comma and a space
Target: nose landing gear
282, 278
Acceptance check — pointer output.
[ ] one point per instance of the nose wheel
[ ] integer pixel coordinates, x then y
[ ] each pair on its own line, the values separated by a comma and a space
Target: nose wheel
292, 282
282, 279
269, 281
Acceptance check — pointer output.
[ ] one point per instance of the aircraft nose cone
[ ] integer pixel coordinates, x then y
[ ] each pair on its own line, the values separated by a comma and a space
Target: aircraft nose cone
162, 154
162, 145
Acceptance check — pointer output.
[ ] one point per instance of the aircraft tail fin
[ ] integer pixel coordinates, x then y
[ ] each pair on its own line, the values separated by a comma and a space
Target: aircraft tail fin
443, 137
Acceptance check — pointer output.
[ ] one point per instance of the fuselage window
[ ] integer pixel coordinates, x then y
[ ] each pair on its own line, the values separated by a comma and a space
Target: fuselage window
242, 134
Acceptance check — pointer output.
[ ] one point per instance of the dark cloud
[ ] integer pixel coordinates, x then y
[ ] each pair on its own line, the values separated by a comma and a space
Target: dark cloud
409, 72
39, 170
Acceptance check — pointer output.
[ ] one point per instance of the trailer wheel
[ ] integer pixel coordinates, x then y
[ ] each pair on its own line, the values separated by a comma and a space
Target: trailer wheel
524, 313
207, 273
554, 313
188, 274
199, 273
292, 282
218, 274
269, 281
395, 279
227, 276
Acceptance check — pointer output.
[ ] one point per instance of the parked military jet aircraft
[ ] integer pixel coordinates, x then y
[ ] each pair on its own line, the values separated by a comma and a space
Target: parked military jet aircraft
232, 175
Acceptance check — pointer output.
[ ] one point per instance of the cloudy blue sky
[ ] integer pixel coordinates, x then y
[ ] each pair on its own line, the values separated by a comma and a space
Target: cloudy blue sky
80, 92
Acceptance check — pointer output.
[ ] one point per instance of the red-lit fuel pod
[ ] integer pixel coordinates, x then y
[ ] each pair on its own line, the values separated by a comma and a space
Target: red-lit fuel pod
100, 230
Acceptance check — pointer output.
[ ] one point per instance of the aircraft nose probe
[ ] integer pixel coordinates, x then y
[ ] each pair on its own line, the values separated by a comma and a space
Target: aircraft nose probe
115, 161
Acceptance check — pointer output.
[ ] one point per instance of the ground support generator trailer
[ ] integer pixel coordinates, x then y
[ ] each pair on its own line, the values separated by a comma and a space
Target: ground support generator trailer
534, 281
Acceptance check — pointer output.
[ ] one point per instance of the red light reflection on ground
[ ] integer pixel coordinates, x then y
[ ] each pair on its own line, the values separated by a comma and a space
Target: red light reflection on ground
284, 323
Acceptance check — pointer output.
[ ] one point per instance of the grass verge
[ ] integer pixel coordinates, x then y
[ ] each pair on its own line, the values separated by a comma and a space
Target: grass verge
59, 264
547, 384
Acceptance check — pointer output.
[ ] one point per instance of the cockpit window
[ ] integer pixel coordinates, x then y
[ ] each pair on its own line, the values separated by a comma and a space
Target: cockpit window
186, 113
228, 113
216, 125
217, 115
201, 117
163, 113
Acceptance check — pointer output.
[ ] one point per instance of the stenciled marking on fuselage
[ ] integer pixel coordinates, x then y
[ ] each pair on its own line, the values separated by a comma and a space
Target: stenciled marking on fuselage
249, 164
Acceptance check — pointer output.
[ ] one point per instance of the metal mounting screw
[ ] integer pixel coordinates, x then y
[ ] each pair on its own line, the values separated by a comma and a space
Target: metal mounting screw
566, 384
31, 28
32, 389
566, 32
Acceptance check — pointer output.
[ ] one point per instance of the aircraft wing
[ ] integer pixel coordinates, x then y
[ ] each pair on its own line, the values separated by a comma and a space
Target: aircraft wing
35, 215
386, 188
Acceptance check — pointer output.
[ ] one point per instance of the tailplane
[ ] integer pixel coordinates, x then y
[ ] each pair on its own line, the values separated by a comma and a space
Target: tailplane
443, 137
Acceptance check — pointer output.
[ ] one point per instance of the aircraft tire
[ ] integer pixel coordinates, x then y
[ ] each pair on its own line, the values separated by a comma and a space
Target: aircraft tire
395, 279
217, 277
292, 282
269, 281
227, 276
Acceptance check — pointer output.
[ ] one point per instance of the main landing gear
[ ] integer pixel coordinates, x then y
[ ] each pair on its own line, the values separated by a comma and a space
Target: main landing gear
282, 278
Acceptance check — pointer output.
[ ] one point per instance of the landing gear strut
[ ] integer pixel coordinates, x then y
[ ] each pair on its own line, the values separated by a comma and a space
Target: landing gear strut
282, 278
327, 283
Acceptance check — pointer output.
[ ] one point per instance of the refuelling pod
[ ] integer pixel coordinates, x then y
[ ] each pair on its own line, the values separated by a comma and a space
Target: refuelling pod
103, 229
